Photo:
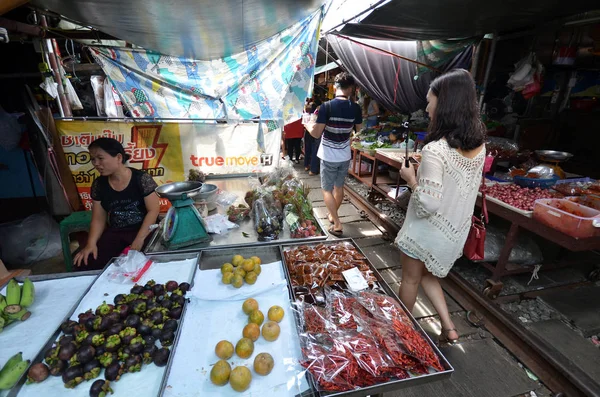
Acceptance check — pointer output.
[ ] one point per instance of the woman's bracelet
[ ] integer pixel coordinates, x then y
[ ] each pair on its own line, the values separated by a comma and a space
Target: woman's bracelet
413, 186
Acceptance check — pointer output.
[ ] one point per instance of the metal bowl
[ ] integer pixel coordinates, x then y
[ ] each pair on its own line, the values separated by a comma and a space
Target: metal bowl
179, 190
208, 196
552, 155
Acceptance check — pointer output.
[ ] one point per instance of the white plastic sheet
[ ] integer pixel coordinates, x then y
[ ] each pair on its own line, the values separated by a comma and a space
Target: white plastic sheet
148, 381
209, 285
208, 322
54, 299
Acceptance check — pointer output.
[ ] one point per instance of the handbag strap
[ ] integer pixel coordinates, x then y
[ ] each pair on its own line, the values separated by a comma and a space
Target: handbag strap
484, 211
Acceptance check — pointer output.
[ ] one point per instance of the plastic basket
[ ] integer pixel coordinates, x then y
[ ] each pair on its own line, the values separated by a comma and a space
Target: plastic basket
535, 182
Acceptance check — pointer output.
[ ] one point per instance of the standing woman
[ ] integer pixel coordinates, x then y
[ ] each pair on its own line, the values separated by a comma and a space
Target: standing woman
370, 111
124, 208
444, 189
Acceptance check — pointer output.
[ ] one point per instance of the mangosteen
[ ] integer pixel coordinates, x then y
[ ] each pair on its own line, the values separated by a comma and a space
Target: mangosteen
113, 371
150, 305
68, 327
72, 376
133, 363
119, 299
85, 354
148, 353
37, 373
151, 283
106, 359
157, 317
101, 323
167, 303
57, 368
114, 317
161, 357
136, 289
113, 343
123, 310
178, 300
100, 388
67, 351
166, 337
137, 344
127, 335
66, 339
175, 313
171, 325
133, 320
156, 332
149, 340
138, 306
88, 340
89, 323
81, 336
158, 290
184, 287
160, 298
51, 355
144, 330
91, 370
100, 350
115, 329
104, 309
83, 317
177, 292
149, 293
98, 340
124, 353
171, 285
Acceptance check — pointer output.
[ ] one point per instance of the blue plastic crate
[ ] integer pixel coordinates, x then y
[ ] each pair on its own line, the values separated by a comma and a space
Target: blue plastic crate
535, 182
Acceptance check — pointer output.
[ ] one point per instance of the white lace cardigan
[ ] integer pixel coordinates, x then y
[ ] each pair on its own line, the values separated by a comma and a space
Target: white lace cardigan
439, 213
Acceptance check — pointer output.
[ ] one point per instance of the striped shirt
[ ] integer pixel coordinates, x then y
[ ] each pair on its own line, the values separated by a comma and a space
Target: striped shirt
339, 117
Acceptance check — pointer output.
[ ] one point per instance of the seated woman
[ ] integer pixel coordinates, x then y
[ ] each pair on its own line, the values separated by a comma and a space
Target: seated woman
125, 206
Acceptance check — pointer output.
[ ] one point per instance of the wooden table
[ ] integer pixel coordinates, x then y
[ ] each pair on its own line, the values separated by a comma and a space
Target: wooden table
519, 221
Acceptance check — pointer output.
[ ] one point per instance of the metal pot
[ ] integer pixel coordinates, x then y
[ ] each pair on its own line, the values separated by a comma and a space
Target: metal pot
208, 196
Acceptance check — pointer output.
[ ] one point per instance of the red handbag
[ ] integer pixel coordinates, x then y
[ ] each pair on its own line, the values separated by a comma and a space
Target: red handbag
475, 245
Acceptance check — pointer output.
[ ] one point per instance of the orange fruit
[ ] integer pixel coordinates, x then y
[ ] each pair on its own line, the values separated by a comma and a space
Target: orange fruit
256, 317
240, 379
249, 305
270, 331
251, 331
227, 278
227, 267
237, 281
250, 278
224, 350
276, 314
237, 260
256, 260
220, 372
248, 265
263, 364
257, 269
244, 348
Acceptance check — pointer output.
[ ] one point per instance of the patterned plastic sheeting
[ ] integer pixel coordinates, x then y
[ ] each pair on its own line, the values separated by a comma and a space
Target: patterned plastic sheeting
270, 80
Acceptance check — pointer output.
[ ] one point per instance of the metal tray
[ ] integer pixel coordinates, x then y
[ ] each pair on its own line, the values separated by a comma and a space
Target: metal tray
383, 387
156, 258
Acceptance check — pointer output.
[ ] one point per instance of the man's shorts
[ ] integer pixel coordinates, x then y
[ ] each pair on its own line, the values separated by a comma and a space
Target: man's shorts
333, 174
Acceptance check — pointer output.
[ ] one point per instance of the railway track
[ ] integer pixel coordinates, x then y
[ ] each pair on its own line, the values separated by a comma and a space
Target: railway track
545, 362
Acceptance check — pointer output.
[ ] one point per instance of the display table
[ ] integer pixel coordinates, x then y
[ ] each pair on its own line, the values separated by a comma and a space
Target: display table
519, 221
244, 235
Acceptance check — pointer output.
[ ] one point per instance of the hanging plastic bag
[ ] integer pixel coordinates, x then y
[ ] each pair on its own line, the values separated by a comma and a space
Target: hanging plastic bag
35, 238
98, 87
112, 103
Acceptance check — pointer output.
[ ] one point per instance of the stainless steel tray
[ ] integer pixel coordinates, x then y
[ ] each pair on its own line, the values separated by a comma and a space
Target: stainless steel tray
383, 387
234, 237
156, 258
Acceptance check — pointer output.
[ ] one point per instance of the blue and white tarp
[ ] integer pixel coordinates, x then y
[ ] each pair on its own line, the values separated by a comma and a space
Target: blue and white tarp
269, 80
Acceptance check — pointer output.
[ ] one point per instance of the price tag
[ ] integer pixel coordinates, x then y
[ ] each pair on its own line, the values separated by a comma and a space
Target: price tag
355, 279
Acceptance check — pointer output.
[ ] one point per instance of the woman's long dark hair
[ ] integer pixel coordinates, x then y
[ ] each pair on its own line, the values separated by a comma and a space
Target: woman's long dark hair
456, 116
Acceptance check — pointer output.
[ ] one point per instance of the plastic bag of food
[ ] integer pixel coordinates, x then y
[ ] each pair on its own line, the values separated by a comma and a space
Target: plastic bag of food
326, 367
238, 213
299, 228
266, 220
226, 199
501, 148
279, 175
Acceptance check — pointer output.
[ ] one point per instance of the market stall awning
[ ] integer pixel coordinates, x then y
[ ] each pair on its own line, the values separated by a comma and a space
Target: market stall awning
442, 19
187, 28
326, 68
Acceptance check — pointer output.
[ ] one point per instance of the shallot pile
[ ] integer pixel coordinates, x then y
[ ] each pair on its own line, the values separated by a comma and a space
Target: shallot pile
522, 198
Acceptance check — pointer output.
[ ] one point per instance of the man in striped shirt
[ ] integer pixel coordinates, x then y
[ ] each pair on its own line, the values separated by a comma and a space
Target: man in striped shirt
335, 121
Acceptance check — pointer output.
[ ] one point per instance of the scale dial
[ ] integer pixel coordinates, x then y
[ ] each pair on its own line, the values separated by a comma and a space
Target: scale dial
170, 224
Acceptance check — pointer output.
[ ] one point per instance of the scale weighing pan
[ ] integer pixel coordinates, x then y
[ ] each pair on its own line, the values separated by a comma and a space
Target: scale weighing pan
552, 155
179, 190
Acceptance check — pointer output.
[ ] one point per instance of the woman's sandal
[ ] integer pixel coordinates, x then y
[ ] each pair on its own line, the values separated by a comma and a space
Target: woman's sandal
337, 233
443, 338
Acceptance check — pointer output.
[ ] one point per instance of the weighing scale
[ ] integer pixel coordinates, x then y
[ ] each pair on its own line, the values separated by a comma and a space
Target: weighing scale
552, 158
183, 225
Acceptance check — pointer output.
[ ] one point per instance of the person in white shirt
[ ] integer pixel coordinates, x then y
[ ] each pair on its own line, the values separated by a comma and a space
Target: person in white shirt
445, 188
